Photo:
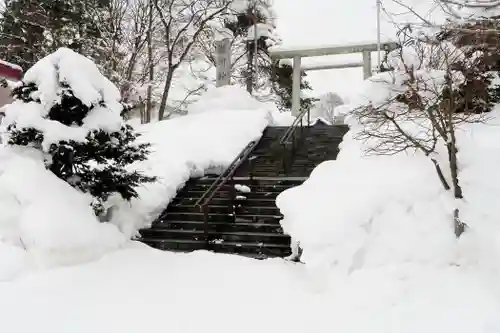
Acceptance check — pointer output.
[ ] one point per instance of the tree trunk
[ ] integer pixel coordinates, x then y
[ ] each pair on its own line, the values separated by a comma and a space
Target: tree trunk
166, 90
439, 171
250, 69
149, 101
460, 226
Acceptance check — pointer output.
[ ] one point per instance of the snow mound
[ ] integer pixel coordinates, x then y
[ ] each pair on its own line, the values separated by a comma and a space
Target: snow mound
378, 232
369, 211
78, 72
45, 217
13, 261
229, 97
214, 132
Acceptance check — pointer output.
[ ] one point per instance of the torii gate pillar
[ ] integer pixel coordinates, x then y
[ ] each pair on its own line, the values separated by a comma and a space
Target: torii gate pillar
296, 86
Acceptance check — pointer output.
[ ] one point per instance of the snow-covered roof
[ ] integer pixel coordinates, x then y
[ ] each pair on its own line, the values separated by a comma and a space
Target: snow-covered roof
10, 71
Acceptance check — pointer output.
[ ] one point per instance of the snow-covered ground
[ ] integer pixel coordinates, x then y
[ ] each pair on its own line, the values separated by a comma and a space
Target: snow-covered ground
379, 230
45, 222
378, 257
139, 289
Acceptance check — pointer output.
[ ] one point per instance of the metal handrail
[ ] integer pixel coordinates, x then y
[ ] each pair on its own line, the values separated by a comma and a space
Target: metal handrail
290, 133
293, 127
209, 194
223, 178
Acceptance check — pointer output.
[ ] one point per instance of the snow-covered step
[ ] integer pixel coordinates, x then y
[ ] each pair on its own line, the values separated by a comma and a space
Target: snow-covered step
242, 216
245, 248
226, 236
219, 226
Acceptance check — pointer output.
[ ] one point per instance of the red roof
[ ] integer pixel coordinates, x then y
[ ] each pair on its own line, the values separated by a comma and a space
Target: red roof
10, 71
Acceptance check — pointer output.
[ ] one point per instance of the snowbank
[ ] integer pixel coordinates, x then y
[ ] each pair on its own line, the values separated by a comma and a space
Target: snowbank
204, 283
213, 133
44, 220
361, 211
379, 231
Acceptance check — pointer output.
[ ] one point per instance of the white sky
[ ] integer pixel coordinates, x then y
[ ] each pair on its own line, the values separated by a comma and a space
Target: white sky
313, 22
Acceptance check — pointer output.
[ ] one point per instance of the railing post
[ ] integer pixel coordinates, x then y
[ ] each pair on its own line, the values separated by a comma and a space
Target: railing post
232, 199
206, 230
251, 166
283, 157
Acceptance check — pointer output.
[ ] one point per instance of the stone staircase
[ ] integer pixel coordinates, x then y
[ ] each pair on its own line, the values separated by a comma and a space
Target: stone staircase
238, 222
242, 217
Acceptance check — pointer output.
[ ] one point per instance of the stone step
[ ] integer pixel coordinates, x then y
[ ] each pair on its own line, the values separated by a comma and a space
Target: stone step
226, 194
265, 201
261, 202
256, 186
219, 226
227, 236
239, 208
269, 250
217, 217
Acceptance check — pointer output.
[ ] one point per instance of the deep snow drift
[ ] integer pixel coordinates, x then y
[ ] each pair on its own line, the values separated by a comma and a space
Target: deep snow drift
379, 230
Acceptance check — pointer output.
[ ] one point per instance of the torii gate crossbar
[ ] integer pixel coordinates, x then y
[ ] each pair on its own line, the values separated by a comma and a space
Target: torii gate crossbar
297, 54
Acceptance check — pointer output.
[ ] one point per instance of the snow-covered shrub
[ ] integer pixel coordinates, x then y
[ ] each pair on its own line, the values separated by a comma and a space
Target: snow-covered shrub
69, 110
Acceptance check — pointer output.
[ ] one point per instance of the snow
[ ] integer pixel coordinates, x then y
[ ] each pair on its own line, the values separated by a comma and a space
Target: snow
77, 71
479, 9
325, 47
214, 132
334, 23
260, 30
380, 228
190, 292
11, 65
44, 220
242, 188
52, 75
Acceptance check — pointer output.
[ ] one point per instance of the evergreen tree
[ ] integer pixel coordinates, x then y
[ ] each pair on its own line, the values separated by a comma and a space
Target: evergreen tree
22, 28
274, 80
477, 38
32, 29
255, 18
85, 141
282, 86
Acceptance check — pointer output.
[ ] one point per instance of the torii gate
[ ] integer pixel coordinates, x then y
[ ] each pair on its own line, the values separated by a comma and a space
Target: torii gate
297, 54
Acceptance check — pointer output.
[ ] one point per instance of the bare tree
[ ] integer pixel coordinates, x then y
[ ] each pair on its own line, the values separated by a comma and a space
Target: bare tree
430, 96
136, 30
183, 23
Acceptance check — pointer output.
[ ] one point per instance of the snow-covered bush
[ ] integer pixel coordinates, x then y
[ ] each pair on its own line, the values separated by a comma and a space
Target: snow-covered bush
69, 110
